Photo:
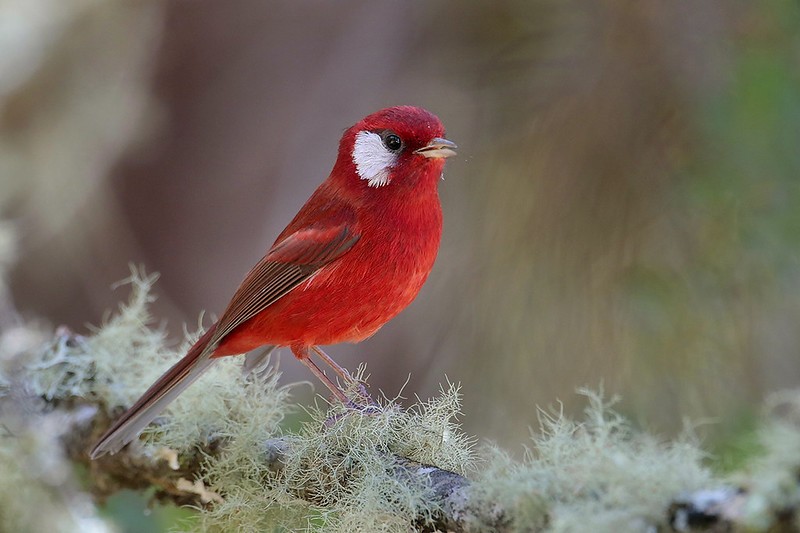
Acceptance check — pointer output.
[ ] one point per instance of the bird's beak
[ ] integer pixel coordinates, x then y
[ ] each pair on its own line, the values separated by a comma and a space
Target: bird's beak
438, 147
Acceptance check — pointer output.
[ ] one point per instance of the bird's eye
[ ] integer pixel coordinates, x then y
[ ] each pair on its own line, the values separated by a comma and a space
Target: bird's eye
392, 141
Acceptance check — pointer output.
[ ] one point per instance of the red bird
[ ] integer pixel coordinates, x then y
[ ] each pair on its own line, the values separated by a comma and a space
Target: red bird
355, 255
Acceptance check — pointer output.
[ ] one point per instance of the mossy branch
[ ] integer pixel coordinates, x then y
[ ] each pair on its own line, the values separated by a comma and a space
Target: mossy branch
175, 477
222, 448
449, 492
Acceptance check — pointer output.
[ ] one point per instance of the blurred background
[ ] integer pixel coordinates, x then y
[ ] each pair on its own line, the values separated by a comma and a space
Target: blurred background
623, 210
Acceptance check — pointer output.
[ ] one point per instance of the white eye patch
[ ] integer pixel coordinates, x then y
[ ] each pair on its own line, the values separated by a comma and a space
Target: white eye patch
373, 160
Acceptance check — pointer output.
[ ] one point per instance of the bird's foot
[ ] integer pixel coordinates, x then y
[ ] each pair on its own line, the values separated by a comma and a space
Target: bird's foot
370, 408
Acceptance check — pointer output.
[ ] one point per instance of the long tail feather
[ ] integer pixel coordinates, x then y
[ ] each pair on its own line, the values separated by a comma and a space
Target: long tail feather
157, 397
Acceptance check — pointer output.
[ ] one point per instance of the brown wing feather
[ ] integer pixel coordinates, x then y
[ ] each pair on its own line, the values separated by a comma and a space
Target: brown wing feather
288, 264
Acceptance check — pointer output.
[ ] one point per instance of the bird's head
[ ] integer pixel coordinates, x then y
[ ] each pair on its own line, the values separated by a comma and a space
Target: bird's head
400, 146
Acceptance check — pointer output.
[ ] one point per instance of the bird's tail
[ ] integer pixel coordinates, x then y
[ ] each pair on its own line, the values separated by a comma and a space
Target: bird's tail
157, 397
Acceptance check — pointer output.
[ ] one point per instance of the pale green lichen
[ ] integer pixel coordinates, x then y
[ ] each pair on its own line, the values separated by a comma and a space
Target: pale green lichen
123, 356
345, 462
773, 478
114, 362
37, 489
339, 471
598, 474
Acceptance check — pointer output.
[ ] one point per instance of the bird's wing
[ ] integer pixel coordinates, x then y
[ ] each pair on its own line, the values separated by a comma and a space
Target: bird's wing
290, 262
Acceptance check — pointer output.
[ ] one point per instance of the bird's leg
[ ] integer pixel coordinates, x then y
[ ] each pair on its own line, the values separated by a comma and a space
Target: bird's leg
303, 355
256, 362
344, 374
341, 371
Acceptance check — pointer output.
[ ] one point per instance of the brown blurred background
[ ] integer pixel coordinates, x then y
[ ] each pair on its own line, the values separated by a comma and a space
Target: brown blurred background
623, 210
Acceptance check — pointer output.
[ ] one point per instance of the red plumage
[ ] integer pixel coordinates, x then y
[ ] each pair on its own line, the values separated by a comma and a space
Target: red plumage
354, 256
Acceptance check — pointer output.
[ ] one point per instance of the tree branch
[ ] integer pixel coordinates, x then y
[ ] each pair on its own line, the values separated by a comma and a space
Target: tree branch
173, 476
452, 502
450, 492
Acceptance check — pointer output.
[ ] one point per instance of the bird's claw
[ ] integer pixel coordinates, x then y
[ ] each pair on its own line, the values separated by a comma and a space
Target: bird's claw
370, 409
